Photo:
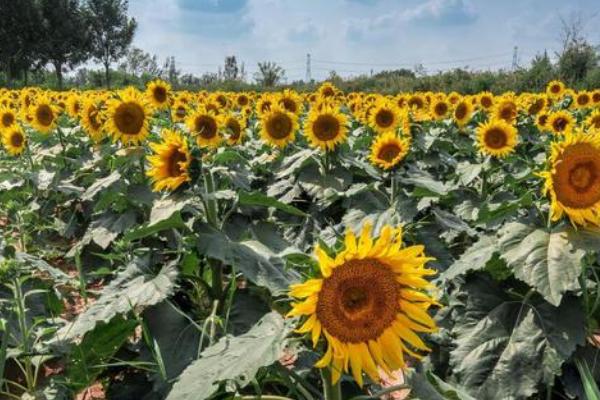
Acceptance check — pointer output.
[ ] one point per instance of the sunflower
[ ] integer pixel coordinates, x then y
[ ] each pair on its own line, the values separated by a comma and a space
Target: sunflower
439, 108
326, 128
496, 138
234, 127
596, 97
204, 125
242, 100
535, 105
14, 140
384, 116
582, 100
506, 110
486, 100
573, 178
388, 150
555, 89
278, 126
73, 105
290, 101
170, 162
92, 119
369, 304
127, 117
593, 121
158, 93
8, 118
179, 110
541, 121
43, 114
263, 105
462, 112
327, 90
560, 122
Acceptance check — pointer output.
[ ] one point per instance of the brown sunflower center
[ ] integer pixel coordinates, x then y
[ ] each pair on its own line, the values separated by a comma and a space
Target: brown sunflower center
384, 118
266, 106
16, 139
508, 112
416, 102
358, 301
44, 115
486, 101
327, 92
496, 138
326, 127
180, 112
555, 88
7, 119
576, 180
440, 108
242, 100
129, 118
461, 111
289, 105
279, 126
205, 126
583, 99
542, 119
596, 97
177, 157
93, 114
560, 124
536, 106
389, 152
596, 121
234, 128
160, 94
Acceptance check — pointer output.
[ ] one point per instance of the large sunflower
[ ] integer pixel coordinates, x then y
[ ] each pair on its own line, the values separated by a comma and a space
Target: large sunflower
497, 138
369, 305
170, 163
278, 126
204, 125
573, 178
384, 116
8, 118
158, 93
388, 150
43, 114
127, 118
326, 128
560, 122
14, 140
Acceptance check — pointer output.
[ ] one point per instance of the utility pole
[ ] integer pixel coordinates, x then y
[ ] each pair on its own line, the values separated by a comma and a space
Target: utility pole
308, 69
515, 61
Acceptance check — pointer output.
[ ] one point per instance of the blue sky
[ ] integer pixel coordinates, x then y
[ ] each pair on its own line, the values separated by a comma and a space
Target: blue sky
354, 36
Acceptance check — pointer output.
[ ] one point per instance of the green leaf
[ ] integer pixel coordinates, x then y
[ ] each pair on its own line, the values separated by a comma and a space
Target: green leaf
545, 260
134, 288
473, 259
468, 172
100, 185
165, 214
428, 386
508, 349
259, 199
235, 359
257, 262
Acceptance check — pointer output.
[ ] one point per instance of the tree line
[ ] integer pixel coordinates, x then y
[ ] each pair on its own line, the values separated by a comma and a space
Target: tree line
62, 34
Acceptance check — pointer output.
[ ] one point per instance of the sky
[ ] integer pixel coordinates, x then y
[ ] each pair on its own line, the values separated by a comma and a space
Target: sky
354, 37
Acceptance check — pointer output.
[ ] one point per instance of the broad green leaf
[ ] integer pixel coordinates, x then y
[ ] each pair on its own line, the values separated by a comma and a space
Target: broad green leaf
134, 288
259, 199
100, 185
165, 214
473, 259
235, 359
508, 349
545, 260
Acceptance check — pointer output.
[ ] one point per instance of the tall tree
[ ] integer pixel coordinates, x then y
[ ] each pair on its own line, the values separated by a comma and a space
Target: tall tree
111, 31
269, 74
137, 62
66, 35
230, 70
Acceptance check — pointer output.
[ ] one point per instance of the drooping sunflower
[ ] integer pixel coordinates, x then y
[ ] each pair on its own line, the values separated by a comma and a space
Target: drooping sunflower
592, 122
170, 162
127, 117
14, 140
158, 93
43, 114
573, 178
388, 150
370, 304
8, 118
384, 116
234, 126
555, 89
92, 119
496, 138
278, 126
561, 122
204, 125
326, 128
439, 108
462, 112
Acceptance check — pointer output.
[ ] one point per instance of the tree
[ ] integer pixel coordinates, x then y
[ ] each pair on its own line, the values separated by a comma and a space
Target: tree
269, 74
65, 41
171, 71
577, 57
230, 70
19, 37
111, 31
138, 62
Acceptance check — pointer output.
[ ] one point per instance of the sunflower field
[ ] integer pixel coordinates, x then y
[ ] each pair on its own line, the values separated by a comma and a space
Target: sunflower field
163, 244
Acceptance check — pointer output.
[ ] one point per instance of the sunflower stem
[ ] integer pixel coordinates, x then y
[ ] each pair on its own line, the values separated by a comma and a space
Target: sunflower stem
393, 188
331, 391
